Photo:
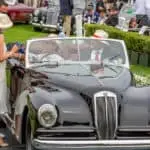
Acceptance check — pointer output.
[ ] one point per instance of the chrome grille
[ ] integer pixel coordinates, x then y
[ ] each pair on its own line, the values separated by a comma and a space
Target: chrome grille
106, 114
52, 16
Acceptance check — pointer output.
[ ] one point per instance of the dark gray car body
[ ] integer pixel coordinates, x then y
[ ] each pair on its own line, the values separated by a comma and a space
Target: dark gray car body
93, 112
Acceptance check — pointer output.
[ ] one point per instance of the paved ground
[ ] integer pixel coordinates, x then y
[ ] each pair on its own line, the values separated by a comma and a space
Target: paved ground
13, 145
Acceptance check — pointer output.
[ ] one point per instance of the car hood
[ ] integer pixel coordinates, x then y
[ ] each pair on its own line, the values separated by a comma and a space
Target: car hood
68, 93
90, 84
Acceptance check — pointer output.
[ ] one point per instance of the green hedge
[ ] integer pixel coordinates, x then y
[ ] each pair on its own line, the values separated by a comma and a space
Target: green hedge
134, 41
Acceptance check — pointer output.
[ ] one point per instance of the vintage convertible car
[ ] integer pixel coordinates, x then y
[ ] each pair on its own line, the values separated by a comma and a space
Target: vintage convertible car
48, 18
77, 93
20, 13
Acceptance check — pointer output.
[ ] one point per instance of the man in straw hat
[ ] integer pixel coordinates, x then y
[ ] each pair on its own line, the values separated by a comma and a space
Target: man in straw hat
5, 23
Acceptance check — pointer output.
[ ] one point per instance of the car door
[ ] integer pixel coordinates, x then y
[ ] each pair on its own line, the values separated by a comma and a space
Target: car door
16, 74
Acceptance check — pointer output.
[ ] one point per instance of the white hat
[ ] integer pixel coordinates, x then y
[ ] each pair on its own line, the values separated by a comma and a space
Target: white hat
5, 21
100, 34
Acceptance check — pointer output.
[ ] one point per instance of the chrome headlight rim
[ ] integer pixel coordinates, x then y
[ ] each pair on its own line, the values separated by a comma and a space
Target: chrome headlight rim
36, 12
47, 108
35, 19
43, 18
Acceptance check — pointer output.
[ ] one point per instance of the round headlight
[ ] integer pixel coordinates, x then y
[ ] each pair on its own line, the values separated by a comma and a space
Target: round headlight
35, 19
36, 12
41, 22
43, 18
47, 115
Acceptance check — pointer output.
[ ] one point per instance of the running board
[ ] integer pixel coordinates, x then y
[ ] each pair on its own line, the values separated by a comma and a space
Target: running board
9, 122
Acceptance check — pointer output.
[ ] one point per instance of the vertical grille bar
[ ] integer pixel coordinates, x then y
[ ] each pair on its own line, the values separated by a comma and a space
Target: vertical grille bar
52, 16
106, 114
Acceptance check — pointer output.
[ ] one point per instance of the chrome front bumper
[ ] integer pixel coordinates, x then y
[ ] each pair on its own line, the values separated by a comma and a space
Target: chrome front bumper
92, 145
44, 26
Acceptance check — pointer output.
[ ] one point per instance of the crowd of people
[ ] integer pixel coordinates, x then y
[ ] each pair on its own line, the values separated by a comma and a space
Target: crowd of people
103, 13
97, 11
107, 12
93, 11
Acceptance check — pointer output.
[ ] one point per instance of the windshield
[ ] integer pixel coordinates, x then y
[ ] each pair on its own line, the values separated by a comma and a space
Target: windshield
77, 56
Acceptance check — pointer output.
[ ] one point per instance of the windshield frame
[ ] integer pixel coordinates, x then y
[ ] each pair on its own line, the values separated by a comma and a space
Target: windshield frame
27, 64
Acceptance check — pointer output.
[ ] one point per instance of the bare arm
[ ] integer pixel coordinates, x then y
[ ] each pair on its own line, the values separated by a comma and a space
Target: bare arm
19, 56
5, 55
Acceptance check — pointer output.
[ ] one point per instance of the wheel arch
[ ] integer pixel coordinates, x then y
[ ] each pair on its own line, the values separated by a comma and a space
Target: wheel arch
24, 124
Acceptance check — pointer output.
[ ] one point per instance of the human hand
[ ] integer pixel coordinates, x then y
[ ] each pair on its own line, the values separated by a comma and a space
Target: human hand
15, 55
15, 49
18, 55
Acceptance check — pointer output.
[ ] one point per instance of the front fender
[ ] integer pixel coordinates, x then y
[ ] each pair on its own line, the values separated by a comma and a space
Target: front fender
72, 108
32, 114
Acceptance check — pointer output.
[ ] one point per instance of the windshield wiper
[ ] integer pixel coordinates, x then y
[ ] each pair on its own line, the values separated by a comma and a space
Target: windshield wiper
113, 57
104, 77
66, 74
110, 67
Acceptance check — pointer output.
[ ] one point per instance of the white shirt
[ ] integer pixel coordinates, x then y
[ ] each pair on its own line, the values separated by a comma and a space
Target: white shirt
147, 4
140, 7
147, 7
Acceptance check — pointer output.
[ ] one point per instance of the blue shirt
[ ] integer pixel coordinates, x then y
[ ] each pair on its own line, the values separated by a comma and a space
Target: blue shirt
94, 18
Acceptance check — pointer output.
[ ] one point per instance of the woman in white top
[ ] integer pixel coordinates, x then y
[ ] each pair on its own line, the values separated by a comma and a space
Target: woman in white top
5, 23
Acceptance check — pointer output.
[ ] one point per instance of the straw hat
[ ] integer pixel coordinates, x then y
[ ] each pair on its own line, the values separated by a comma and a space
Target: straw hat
5, 21
100, 34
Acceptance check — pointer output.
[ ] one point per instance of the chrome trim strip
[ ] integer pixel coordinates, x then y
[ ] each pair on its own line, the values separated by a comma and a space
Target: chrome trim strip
134, 129
102, 94
98, 142
65, 130
106, 105
36, 24
49, 26
44, 25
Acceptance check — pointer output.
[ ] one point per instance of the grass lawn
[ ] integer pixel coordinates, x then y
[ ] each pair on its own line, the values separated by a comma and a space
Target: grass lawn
144, 71
21, 33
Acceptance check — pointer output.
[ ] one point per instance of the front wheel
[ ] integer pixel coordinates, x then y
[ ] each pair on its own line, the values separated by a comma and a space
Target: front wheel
29, 136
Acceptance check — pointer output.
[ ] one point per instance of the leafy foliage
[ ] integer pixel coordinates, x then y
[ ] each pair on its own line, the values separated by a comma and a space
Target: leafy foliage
142, 75
142, 80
